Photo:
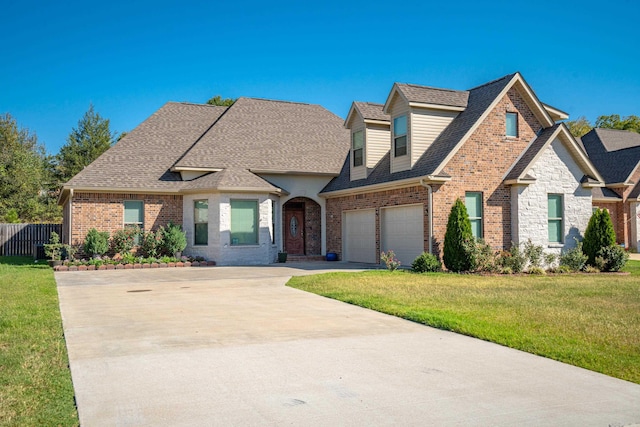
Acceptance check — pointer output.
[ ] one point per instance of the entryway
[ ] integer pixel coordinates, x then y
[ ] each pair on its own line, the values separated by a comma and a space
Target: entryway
302, 227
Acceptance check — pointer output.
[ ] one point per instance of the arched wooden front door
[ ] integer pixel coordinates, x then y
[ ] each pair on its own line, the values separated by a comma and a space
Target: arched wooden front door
294, 228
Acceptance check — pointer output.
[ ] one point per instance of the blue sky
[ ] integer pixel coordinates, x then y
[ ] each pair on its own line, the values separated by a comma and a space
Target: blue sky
129, 58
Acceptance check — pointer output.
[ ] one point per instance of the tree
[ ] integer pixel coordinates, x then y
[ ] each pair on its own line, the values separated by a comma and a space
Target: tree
614, 121
23, 196
458, 239
217, 100
599, 234
579, 127
84, 144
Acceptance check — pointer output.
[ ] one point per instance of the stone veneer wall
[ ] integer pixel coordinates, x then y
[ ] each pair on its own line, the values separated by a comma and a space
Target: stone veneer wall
480, 165
556, 173
105, 212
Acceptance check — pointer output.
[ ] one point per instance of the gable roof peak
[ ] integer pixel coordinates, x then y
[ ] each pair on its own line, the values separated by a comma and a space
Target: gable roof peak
498, 80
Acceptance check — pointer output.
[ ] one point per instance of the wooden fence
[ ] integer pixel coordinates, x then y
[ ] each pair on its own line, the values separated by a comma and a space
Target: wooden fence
23, 239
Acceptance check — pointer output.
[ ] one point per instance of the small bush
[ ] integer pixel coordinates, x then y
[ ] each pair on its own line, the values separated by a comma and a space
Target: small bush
458, 240
534, 253
574, 259
484, 257
536, 270
514, 259
96, 242
550, 260
151, 244
611, 258
389, 258
426, 263
173, 239
591, 269
123, 241
599, 234
506, 270
562, 269
128, 258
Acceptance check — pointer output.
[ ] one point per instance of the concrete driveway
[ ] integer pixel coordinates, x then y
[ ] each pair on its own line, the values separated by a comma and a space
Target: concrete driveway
232, 346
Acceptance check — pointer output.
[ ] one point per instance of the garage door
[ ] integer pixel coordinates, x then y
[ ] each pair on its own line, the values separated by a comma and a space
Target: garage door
402, 230
360, 236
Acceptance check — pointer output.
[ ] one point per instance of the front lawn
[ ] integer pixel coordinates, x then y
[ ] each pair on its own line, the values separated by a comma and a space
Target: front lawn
35, 381
587, 320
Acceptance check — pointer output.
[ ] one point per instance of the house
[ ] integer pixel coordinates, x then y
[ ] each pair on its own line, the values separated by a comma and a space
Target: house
231, 176
262, 176
496, 146
616, 154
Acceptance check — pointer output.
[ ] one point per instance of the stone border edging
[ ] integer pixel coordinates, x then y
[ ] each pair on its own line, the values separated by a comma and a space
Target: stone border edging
133, 266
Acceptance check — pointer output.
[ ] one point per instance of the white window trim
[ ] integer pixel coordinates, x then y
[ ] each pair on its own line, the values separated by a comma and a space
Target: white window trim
396, 136
561, 219
195, 221
514, 113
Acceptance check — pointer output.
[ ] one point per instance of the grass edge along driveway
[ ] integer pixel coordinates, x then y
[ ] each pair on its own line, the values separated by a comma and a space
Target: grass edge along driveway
35, 380
587, 320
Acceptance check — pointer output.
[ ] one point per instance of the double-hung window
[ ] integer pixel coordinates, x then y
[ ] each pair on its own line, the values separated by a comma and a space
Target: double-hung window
473, 203
357, 145
512, 124
201, 222
400, 136
134, 216
555, 218
244, 222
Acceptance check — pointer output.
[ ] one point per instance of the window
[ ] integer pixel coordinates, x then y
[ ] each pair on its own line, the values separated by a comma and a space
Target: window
244, 222
473, 202
201, 222
134, 216
400, 136
357, 144
512, 124
556, 227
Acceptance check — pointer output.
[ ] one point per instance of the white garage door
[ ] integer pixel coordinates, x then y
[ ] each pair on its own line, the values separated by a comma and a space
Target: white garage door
402, 230
360, 236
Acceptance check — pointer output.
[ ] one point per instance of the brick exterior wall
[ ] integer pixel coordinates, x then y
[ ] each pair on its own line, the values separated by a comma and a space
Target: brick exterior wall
105, 212
480, 165
312, 225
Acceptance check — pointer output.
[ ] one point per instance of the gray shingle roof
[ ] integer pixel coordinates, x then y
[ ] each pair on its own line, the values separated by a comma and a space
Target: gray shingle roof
227, 179
615, 153
144, 157
600, 193
479, 100
252, 134
525, 160
433, 95
372, 111
265, 135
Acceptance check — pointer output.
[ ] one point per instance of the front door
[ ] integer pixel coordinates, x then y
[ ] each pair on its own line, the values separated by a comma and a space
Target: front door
294, 229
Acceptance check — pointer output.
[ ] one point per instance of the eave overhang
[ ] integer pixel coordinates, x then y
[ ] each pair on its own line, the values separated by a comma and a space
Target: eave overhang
390, 185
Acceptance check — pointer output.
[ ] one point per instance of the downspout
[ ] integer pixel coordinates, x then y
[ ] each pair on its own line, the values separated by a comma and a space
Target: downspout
70, 215
430, 201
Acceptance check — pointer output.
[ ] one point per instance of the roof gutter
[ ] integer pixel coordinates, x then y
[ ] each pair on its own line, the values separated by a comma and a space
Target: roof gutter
431, 179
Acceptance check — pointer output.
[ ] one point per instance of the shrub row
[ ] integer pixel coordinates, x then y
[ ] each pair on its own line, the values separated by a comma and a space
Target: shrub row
166, 241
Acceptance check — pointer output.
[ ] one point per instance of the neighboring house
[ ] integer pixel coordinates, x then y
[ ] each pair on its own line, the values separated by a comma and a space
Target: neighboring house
497, 147
262, 176
231, 176
616, 154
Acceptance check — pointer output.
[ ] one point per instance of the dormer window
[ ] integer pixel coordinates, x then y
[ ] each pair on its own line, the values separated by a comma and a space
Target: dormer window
512, 125
357, 145
400, 136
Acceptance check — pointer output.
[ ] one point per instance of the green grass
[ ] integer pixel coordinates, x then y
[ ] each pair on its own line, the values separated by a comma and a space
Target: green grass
35, 381
592, 321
